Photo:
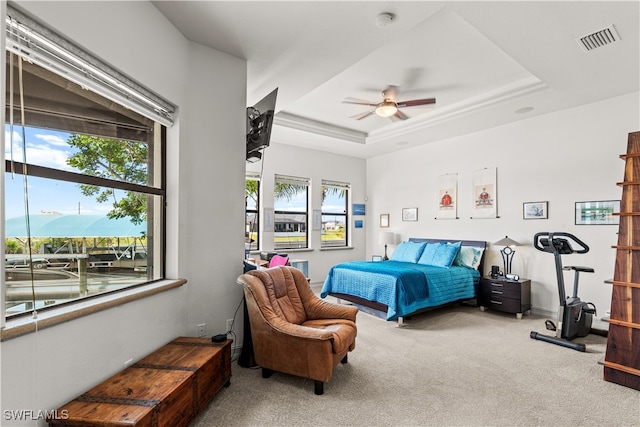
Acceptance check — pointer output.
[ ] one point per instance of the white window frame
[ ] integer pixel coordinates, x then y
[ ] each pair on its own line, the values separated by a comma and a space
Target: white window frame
298, 181
341, 186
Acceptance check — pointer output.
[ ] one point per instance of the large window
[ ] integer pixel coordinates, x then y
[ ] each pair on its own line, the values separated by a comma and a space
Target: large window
335, 218
291, 204
252, 211
84, 183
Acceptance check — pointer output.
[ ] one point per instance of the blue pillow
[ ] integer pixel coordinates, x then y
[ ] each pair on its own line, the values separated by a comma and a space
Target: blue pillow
440, 254
408, 252
429, 253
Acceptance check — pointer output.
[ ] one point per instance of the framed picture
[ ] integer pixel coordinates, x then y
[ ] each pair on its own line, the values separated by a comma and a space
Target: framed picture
358, 209
410, 214
535, 210
376, 258
597, 213
384, 220
358, 223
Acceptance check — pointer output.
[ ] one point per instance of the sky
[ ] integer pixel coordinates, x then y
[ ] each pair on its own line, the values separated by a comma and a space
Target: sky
44, 148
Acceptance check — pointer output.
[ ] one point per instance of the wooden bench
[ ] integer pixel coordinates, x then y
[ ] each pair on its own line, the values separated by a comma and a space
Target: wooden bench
166, 388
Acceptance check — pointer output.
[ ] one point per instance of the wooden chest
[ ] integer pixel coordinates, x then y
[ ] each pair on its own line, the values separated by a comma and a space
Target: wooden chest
166, 388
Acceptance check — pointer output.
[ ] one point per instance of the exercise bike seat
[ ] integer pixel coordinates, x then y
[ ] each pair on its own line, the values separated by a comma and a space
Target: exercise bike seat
578, 268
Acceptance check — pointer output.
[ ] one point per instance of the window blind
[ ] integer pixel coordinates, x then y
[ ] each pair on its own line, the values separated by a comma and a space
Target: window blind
292, 180
336, 184
42, 46
254, 176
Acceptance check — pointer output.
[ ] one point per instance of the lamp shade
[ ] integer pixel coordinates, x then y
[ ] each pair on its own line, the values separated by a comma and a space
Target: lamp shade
506, 242
387, 238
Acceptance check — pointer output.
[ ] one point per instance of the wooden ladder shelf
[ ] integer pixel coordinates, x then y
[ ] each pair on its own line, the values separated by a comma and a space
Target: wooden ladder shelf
622, 360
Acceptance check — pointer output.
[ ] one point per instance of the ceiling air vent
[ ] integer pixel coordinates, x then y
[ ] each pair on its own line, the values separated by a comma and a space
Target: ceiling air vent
599, 39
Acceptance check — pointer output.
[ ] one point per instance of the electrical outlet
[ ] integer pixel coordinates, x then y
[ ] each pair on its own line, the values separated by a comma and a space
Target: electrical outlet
202, 330
229, 325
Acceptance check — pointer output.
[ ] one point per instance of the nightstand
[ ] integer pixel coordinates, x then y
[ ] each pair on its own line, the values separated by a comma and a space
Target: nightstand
510, 296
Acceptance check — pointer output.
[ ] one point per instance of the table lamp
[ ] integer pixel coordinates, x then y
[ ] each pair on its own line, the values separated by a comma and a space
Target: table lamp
507, 252
386, 238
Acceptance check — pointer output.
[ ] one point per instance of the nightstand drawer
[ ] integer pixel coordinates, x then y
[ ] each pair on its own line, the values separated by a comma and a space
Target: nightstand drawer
508, 305
501, 288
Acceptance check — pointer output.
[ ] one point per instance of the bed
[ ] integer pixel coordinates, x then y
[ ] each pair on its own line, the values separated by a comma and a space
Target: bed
421, 274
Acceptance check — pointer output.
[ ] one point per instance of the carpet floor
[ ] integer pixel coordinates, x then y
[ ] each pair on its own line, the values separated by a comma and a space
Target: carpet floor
454, 366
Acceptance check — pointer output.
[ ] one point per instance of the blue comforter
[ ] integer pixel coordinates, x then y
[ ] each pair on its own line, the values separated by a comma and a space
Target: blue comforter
403, 287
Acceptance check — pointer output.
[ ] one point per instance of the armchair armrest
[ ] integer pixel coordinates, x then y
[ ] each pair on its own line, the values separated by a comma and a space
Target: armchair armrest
320, 309
299, 331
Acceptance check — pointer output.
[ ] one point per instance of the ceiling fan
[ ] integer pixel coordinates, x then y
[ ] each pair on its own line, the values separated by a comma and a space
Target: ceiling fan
389, 107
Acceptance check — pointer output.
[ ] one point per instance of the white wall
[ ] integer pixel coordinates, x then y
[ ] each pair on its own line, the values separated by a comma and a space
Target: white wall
205, 206
561, 158
315, 165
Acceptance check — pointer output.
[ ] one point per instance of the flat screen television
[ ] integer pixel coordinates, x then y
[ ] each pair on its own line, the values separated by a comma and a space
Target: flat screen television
259, 123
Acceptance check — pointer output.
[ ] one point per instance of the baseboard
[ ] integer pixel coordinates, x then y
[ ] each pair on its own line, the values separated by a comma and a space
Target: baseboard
544, 313
235, 352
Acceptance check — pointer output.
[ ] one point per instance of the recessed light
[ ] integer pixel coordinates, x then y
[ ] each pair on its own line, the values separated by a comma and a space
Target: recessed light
524, 110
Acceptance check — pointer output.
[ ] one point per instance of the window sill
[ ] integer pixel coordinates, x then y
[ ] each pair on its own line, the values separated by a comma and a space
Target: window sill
48, 318
338, 248
288, 251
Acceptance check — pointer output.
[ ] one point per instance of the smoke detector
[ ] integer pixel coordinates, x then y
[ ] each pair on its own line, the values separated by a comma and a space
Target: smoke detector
385, 19
598, 39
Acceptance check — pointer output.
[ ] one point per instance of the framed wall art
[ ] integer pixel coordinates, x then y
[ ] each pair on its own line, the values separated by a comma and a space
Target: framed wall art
410, 214
447, 197
535, 210
384, 220
359, 209
485, 200
597, 213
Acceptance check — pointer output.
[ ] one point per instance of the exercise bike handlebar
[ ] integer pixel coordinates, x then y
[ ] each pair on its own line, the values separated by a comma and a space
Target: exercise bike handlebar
549, 236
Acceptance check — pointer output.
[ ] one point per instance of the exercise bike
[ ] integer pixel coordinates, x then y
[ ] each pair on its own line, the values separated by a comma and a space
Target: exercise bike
575, 316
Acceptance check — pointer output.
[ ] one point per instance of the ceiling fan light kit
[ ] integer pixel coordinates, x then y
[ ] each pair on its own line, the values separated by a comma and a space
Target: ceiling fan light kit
386, 108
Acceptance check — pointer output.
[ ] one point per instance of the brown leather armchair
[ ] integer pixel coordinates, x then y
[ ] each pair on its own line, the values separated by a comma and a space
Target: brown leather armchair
293, 330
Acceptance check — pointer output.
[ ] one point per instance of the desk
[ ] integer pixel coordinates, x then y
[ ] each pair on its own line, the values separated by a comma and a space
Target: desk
259, 262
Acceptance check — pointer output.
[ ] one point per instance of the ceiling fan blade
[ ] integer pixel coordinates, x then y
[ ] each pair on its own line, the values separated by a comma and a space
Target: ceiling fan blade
363, 115
416, 102
399, 115
358, 102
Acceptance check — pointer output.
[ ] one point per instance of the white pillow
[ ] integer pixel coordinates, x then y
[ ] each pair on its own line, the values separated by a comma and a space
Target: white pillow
469, 257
